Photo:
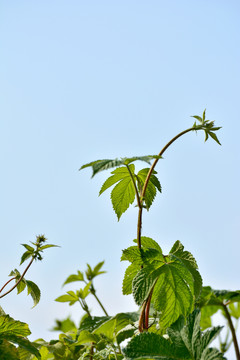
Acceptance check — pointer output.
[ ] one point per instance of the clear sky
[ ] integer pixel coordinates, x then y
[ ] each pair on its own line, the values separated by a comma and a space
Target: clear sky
85, 80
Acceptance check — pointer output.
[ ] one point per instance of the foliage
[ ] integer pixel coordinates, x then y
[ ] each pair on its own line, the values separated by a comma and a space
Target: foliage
174, 320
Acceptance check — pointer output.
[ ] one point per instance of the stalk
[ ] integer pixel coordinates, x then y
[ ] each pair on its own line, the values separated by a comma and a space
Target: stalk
20, 279
232, 329
139, 225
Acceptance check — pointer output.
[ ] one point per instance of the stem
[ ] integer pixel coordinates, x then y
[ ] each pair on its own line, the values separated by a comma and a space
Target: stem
103, 308
139, 226
135, 187
230, 323
20, 279
7, 283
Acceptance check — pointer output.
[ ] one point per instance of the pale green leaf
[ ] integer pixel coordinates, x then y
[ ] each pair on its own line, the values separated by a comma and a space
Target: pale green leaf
122, 196
34, 291
129, 275
74, 277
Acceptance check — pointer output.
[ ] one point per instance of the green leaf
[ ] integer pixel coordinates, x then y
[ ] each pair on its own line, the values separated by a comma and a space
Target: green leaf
143, 283
149, 346
83, 293
70, 297
153, 184
173, 292
189, 261
100, 165
214, 137
118, 174
25, 344
92, 323
9, 326
132, 254
149, 243
26, 256
34, 291
28, 247
105, 164
84, 337
21, 286
112, 326
71, 278
122, 195
47, 246
129, 275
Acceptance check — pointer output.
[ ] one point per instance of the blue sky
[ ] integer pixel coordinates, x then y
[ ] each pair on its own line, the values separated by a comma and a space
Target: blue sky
85, 80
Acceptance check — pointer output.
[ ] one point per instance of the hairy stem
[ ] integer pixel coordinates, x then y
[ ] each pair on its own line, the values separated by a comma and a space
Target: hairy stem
139, 226
232, 329
20, 279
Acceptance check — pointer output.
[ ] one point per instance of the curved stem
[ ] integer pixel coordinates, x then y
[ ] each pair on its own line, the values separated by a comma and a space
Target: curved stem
20, 279
7, 283
139, 226
230, 323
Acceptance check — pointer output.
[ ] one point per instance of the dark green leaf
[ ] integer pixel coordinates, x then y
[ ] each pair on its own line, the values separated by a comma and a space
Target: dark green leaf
26, 256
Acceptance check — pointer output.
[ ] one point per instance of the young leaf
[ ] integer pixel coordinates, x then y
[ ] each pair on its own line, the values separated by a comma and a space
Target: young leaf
122, 196
100, 165
129, 275
34, 291
71, 278
26, 256
151, 188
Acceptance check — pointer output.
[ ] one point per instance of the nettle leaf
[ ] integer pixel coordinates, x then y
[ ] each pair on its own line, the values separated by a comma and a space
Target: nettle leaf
143, 283
129, 275
190, 342
189, 261
74, 277
173, 293
153, 184
34, 291
149, 346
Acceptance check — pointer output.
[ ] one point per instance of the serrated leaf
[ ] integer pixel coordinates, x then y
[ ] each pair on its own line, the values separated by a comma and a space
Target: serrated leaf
143, 283
146, 158
173, 292
122, 195
132, 254
153, 184
149, 346
34, 291
113, 180
189, 261
147, 242
100, 165
129, 275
